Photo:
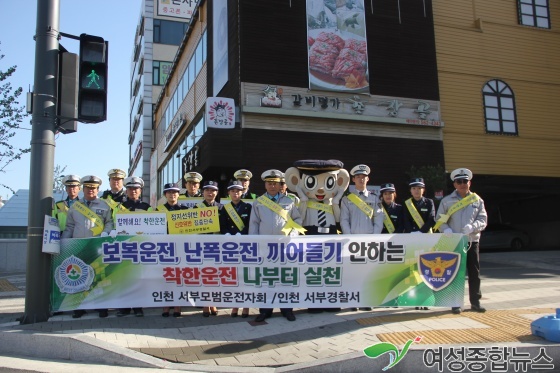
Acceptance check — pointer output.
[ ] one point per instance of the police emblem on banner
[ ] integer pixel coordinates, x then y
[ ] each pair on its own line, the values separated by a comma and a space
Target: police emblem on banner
73, 276
438, 269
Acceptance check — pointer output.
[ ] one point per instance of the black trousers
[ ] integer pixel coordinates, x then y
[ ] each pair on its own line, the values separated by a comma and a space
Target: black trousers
268, 311
473, 271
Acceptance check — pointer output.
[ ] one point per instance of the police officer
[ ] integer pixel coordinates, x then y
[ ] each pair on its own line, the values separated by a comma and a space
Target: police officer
393, 212
266, 219
134, 185
234, 220
171, 194
210, 192
193, 180
234, 216
463, 211
72, 185
244, 176
116, 192
360, 211
419, 212
89, 217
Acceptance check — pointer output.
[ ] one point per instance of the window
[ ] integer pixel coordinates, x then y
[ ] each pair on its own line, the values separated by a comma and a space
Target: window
534, 13
499, 108
160, 72
169, 32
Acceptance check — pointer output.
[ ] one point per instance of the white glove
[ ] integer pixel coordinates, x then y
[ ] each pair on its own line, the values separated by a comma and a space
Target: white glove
448, 232
238, 234
293, 233
467, 229
416, 232
227, 234
103, 234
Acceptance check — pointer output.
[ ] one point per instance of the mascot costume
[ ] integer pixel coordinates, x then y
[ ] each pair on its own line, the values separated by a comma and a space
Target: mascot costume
320, 185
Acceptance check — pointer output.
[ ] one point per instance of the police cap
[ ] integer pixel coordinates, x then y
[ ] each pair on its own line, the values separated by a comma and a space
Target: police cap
71, 180
195, 177
461, 173
360, 169
91, 181
243, 174
133, 182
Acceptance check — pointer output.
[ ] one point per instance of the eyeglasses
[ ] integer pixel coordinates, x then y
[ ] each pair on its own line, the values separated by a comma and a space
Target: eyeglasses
461, 181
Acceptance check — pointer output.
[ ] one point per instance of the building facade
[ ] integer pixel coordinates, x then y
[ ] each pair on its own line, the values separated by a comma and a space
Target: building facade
438, 83
160, 31
279, 118
499, 79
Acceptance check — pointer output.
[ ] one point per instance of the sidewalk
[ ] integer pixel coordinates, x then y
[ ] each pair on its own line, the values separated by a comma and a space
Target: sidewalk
314, 342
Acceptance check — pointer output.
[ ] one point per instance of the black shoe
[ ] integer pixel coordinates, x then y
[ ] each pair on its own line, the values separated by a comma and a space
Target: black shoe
290, 316
332, 309
78, 313
353, 309
366, 309
165, 314
234, 314
244, 315
261, 317
103, 313
176, 314
422, 308
206, 314
123, 312
478, 308
138, 312
456, 310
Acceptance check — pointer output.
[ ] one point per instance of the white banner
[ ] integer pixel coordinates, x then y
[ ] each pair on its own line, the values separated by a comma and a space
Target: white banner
140, 223
260, 271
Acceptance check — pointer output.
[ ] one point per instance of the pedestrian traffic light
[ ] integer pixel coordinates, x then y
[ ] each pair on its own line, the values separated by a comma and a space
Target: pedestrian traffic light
92, 95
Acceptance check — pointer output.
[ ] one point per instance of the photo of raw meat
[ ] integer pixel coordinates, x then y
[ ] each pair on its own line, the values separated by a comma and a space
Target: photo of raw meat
336, 61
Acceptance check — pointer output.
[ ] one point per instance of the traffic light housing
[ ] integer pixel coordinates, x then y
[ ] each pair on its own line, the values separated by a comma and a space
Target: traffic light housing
92, 81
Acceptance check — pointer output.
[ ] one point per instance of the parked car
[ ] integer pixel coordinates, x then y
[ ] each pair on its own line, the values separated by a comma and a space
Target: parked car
503, 236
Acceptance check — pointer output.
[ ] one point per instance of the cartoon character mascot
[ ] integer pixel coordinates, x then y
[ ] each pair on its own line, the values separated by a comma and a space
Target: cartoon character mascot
320, 185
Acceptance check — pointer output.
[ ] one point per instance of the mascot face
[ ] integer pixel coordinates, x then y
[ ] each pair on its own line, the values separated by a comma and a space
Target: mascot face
320, 187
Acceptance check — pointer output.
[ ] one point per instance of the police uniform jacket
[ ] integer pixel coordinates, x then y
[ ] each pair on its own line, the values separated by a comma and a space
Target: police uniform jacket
355, 221
473, 214
265, 221
78, 226
120, 196
396, 214
426, 209
61, 213
248, 195
175, 207
227, 225
137, 205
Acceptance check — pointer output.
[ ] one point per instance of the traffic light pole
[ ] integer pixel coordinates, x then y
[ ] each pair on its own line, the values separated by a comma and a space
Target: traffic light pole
43, 126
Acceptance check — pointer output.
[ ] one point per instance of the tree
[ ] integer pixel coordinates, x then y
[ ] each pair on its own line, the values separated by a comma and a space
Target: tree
11, 114
58, 176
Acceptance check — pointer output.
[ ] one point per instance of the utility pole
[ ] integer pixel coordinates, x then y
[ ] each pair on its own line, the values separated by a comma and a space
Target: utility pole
43, 124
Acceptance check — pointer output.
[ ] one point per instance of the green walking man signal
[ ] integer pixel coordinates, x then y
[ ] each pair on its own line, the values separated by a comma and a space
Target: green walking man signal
92, 95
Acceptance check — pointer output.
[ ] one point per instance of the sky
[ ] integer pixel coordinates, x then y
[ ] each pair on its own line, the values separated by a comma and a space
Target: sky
95, 148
